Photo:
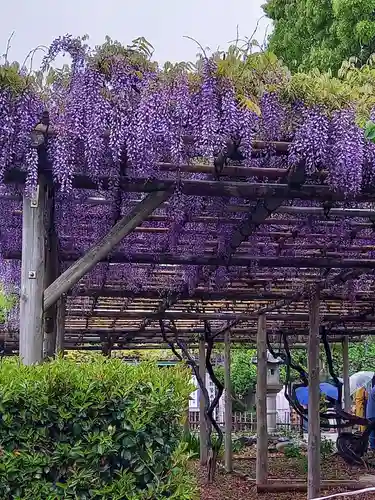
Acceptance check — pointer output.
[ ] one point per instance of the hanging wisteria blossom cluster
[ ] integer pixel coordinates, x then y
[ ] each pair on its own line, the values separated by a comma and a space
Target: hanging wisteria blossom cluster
113, 118
142, 116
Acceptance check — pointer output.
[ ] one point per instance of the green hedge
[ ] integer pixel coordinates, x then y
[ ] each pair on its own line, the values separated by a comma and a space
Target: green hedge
95, 430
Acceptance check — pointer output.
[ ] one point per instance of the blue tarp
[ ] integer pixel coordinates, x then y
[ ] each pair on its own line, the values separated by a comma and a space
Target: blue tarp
302, 393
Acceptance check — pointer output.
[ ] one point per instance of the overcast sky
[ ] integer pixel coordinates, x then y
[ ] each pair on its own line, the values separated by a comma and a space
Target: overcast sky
164, 23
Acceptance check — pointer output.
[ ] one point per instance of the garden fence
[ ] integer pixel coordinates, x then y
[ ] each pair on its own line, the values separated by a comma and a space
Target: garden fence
246, 421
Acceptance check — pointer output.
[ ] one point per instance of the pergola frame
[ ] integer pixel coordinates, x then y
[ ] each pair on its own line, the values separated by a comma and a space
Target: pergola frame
117, 318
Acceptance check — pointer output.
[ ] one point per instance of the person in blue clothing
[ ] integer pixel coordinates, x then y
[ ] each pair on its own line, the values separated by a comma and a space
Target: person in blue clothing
370, 411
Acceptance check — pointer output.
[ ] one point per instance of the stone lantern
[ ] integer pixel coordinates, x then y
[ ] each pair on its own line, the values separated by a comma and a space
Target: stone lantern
273, 388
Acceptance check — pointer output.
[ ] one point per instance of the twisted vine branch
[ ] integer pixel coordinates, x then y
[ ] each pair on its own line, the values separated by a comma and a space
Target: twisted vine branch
212, 463
209, 408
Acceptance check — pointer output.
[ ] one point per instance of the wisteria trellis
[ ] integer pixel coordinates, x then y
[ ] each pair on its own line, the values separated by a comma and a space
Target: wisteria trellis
143, 125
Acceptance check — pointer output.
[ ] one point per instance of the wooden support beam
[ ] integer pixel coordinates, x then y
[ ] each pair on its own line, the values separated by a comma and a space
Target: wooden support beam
97, 347
88, 338
90, 343
52, 272
247, 172
243, 260
261, 404
60, 325
295, 334
222, 316
278, 486
313, 452
42, 131
32, 277
247, 190
238, 335
333, 212
263, 210
202, 419
228, 413
345, 376
101, 250
201, 294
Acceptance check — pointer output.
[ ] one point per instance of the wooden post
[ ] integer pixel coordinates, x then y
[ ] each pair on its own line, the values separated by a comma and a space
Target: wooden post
345, 363
60, 325
202, 420
313, 452
101, 250
32, 277
345, 376
228, 414
52, 272
261, 402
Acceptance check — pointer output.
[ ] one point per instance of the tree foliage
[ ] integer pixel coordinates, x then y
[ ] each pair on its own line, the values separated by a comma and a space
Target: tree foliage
6, 304
321, 33
243, 371
259, 73
361, 356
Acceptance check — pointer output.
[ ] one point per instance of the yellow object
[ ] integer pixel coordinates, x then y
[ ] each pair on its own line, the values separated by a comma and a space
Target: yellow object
360, 405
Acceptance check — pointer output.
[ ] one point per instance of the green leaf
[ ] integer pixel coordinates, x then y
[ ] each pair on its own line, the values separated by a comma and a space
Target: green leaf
370, 131
139, 469
76, 429
126, 455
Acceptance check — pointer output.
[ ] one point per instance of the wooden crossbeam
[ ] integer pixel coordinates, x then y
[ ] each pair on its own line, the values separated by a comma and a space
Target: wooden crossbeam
241, 261
209, 218
159, 344
219, 316
43, 131
354, 330
247, 190
156, 345
89, 343
99, 251
225, 295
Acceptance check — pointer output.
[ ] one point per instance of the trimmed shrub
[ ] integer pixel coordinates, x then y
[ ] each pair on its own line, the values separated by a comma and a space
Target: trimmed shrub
93, 430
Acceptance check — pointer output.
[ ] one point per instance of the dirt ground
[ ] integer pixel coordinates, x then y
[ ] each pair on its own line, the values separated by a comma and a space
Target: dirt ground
280, 467
230, 486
